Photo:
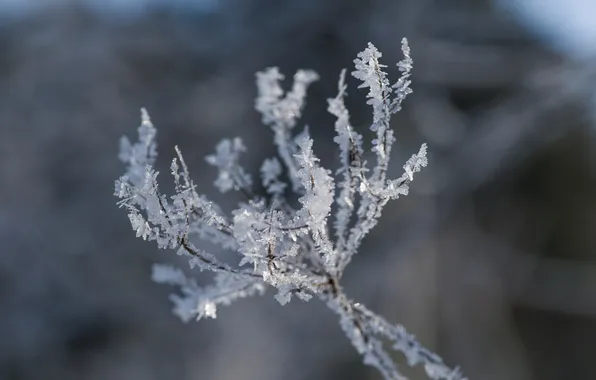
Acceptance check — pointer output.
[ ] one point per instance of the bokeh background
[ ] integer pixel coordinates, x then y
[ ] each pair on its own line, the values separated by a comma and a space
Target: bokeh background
490, 260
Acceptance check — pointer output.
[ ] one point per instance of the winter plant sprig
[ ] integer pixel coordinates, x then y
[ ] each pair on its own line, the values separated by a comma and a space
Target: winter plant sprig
296, 250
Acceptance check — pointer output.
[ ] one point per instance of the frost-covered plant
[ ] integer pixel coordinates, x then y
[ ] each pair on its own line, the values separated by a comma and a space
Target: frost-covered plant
293, 249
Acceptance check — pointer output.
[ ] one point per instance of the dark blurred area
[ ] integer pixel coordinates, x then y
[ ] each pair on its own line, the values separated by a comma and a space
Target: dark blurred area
490, 260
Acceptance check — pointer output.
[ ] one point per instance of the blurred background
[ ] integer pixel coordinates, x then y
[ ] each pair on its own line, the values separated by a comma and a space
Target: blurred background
490, 261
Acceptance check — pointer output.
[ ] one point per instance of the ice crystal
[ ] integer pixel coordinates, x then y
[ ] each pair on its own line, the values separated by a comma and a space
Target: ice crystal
278, 245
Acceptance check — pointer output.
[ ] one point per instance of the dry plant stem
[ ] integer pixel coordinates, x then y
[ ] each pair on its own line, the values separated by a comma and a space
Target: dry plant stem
291, 250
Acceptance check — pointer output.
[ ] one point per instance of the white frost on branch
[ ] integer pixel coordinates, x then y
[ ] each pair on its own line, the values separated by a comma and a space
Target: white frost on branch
291, 250
281, 112
226, 159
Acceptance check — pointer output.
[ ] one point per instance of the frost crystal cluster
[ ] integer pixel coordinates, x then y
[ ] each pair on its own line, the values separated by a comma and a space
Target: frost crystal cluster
299, 249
